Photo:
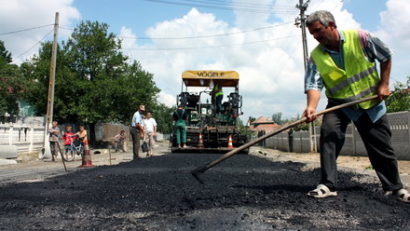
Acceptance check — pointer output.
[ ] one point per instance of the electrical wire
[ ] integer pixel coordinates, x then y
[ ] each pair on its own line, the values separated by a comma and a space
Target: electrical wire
238, 4
220, 7
66, 28
23, 30
193, 37
45, 36
206, 36
205, 47
243, 2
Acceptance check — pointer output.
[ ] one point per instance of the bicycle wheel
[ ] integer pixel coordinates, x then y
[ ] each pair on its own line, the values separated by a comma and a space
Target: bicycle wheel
69, 155
80, 151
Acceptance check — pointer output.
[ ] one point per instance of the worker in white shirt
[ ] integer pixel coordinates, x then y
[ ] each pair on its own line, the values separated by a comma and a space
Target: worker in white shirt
150, 128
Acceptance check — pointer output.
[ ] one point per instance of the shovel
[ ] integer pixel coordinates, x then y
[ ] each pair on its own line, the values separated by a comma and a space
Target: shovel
198, 171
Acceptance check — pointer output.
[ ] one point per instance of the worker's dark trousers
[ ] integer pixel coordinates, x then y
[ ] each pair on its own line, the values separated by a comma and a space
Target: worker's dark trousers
218, 102
376, 138
135, 136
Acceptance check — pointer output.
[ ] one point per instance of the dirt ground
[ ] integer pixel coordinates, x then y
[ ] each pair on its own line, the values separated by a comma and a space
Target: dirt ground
265, 190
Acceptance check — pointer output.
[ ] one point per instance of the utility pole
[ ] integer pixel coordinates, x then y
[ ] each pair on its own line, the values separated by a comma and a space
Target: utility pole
301, 22
51, 83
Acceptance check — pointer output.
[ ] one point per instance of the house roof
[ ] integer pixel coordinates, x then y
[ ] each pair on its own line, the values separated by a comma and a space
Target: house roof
264, 127
262, 120
263, 123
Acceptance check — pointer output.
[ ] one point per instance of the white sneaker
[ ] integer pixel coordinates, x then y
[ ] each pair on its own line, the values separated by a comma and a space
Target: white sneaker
321, 191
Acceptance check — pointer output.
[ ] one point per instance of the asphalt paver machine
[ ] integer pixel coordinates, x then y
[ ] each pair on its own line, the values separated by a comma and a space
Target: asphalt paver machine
207, 129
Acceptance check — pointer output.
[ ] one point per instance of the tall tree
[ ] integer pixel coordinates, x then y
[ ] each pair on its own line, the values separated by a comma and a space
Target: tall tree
11, 84
5, 55
277, 118
93, 52
163, 115
94, 80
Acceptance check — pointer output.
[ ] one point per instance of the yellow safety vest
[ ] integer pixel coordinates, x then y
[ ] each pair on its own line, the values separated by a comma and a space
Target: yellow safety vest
218, 91
358, 80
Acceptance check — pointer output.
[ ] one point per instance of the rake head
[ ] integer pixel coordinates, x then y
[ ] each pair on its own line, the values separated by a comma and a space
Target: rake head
196, 172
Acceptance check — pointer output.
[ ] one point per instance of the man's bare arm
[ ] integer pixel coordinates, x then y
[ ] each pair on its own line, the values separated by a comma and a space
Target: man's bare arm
383, 88
313, 97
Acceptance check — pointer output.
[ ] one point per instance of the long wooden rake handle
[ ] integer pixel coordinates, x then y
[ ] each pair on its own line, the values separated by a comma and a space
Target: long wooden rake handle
62, 157
196, 172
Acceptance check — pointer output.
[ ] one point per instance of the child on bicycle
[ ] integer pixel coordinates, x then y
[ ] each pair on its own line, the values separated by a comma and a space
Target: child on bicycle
68, 137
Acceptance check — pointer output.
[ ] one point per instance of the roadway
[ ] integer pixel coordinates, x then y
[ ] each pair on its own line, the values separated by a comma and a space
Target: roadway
265, 190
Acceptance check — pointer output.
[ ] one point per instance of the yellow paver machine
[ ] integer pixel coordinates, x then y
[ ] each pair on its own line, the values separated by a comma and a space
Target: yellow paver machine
211, 128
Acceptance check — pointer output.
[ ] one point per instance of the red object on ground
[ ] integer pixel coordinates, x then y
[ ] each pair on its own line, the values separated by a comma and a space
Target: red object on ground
87, 162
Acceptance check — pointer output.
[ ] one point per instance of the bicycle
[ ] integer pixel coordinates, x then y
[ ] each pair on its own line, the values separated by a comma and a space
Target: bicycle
75, 148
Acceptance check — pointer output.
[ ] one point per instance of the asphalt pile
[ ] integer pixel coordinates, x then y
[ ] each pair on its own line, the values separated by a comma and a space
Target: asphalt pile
158, 193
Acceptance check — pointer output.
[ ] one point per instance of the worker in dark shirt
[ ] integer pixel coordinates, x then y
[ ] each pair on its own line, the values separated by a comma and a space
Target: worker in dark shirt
180, 117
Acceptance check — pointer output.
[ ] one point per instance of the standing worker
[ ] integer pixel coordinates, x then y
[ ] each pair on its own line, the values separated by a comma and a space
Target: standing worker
150, 128
217, 96
54, 135
180, 116
344, 63
137, 131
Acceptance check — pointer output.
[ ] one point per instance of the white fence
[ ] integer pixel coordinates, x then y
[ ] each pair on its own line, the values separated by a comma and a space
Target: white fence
27, 138
16, 138
399, 124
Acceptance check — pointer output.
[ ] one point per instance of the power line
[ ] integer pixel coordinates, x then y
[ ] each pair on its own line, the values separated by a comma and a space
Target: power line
205, 47
238, 4
249, 3
245, 2
193, 37
220, 7
206, 36
45, 36
23, 30
66, 28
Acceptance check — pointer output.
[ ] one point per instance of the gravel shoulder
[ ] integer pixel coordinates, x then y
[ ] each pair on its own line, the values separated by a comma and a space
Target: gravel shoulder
359, 164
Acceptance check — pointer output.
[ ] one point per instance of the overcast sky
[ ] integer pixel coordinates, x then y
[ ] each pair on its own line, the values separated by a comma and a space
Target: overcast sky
257, 38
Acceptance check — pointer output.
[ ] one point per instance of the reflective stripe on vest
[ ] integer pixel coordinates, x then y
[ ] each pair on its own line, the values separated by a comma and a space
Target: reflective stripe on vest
218, 91
359, 78
351, 80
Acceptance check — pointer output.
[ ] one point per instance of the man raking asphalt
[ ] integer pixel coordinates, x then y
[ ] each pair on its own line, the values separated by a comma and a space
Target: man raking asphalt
344, 63
196, 172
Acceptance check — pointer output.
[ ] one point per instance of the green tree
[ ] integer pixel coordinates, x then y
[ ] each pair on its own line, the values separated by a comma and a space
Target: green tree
36, 75
163, 116
277, 118
94, 80
11, 84
5, 55
243, 129
399, 100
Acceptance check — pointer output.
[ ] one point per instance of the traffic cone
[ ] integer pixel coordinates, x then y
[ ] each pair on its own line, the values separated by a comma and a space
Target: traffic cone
87, 162
230, 144
200, 141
